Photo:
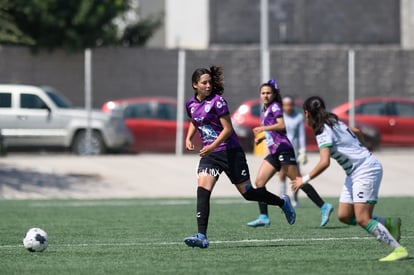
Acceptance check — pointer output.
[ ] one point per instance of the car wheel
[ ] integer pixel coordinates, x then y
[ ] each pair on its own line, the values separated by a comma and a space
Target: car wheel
81, 146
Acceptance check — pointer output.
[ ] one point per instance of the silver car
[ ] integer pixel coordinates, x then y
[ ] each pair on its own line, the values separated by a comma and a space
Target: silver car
39, 116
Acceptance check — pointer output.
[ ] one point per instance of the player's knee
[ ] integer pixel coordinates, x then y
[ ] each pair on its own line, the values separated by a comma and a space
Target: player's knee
363, 222
250, 194
260, 183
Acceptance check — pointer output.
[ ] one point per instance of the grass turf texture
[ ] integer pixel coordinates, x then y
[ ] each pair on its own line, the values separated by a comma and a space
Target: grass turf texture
145, 237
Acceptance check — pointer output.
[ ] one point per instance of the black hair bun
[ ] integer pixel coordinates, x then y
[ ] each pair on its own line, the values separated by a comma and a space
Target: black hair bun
316, 104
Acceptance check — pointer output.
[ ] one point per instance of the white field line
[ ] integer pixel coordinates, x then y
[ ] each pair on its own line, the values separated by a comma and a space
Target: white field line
211, 242
92, 203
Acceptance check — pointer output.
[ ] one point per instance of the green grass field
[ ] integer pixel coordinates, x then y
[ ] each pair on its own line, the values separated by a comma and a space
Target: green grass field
144, 236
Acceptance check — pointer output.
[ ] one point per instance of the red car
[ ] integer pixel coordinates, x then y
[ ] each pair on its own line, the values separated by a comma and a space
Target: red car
247, 116
152, 122
392, 117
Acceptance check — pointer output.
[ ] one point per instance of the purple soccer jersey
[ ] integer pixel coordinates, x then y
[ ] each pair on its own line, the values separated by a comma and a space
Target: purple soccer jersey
205, 115
276, 141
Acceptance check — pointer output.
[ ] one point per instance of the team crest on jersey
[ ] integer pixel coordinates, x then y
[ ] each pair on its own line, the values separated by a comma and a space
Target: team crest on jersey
207, 108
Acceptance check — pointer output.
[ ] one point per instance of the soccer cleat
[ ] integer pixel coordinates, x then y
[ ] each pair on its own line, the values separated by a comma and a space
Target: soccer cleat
397, 254
198, 240
326, 211
288, 210
394, 226
262, 220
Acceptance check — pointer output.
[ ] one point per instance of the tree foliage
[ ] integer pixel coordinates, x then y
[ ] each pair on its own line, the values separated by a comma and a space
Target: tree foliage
69, 24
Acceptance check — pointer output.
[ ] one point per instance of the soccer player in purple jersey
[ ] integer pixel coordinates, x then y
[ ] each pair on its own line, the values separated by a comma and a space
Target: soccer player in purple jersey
221, 151
281, 156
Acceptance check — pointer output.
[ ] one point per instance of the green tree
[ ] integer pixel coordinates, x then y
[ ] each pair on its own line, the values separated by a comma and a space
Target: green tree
137, 34
9, 32
69, 24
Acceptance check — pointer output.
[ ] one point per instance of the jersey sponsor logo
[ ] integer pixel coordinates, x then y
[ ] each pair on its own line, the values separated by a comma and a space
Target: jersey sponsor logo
222, 101
192, 109
244, 173
207, 133
323, 139
219, 105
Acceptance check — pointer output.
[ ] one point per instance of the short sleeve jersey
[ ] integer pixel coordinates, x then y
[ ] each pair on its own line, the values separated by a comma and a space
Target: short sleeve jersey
276, 141
345, 146
205, 115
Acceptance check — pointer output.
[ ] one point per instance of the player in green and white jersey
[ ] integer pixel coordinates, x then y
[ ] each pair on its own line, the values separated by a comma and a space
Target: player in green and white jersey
364, 173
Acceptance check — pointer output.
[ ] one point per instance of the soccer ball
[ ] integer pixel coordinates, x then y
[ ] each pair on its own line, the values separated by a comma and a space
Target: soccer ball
35, 240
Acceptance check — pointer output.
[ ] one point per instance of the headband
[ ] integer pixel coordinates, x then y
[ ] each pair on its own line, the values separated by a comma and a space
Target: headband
273, 83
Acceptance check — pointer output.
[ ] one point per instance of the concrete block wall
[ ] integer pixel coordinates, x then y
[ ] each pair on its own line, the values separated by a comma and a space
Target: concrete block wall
301, 71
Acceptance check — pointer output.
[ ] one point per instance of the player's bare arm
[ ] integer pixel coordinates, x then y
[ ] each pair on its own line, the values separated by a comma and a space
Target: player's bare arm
190, 134
324, 162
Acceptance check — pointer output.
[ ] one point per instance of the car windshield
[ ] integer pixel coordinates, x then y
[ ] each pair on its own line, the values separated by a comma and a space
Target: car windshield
58, 99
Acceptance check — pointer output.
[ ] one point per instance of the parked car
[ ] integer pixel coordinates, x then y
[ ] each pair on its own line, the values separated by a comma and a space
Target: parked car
247, 116
151, 120
392, 117
41, 117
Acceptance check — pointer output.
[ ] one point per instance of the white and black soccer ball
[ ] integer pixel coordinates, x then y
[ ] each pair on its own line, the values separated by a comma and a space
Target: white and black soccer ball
35, 240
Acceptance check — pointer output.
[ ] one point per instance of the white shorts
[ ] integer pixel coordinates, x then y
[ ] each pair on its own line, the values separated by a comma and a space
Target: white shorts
363, 185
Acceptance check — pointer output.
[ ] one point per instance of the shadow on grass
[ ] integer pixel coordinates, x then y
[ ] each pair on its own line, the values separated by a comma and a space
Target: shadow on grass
329, 227
24, 180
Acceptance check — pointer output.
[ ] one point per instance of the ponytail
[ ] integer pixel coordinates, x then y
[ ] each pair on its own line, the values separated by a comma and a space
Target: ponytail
217, 79
316, 108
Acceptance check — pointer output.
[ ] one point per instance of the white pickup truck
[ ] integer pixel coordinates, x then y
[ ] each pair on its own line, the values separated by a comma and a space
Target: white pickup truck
39, 116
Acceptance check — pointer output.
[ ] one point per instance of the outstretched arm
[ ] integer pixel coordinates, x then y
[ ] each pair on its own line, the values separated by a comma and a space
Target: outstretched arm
324, 162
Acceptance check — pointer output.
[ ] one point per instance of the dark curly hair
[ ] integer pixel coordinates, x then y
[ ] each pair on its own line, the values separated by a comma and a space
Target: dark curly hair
217, 79
320, 116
